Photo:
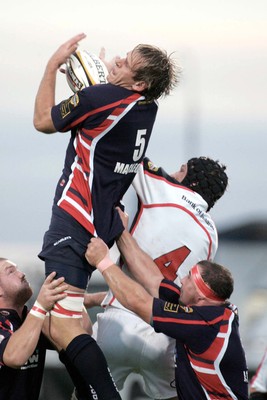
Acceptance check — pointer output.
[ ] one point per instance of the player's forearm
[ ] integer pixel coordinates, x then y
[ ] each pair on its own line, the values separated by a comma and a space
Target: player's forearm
140, 263
129, 293
45, 99
23, 342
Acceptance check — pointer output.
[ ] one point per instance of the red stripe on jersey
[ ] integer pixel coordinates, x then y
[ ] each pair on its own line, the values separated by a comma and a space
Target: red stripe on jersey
168, 286
206, 364
78, 215
161, 178
89, 114
181, 321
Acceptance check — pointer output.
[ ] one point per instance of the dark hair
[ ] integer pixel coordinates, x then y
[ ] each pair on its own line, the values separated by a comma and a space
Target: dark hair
218, 278
159, 71
206, 177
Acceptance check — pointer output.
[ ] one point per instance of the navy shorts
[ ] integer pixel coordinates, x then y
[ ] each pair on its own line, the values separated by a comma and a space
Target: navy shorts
64, 250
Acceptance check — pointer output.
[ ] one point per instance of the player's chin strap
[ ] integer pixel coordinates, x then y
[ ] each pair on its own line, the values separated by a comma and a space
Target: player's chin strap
202, 286
69, 307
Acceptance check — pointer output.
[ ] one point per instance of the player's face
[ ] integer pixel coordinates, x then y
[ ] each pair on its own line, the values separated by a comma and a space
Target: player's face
189, 294
182, 172
14, 286
123, 71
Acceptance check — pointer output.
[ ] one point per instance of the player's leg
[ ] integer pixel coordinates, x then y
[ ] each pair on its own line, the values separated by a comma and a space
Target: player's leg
67, 332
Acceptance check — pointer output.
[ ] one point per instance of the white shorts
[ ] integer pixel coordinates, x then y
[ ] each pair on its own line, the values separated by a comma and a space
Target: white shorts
132, 345
259, 380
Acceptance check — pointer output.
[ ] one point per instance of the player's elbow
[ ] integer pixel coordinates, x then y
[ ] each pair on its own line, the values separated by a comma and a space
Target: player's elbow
43, 123
141, 305
42, 127
14, 360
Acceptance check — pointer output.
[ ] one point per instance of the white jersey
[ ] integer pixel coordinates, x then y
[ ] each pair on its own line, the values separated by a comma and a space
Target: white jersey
259, 380
172, 224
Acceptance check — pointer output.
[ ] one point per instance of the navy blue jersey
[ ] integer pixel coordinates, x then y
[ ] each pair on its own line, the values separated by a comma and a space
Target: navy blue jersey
210, 361
23, 383
110, 129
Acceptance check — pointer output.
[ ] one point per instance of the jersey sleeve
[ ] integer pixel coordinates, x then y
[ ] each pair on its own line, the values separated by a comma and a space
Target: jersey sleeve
5, 334
71, 113
169, 291
187, 323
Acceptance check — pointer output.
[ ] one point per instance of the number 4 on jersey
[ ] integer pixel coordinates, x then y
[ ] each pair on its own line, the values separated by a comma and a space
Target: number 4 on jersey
169, 263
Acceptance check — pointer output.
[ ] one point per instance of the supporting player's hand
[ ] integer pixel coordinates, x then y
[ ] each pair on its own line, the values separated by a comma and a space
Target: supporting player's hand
96, 251
52, 291
109, 64
124, 217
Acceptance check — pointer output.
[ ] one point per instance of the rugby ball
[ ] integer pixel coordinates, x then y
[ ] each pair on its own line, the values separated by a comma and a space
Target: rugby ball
85, 69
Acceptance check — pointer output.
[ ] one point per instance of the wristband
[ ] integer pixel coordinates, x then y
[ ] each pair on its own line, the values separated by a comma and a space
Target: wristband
105, 263
38, 311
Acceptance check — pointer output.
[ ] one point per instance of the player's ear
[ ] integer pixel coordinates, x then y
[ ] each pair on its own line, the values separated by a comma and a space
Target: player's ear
139, 86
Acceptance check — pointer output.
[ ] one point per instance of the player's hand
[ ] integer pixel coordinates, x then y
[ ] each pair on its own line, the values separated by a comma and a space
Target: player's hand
109, 64
65, 50
124, 217
96, 251
52, 291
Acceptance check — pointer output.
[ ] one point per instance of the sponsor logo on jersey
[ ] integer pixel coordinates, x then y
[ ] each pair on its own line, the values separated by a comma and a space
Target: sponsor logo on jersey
121, 168
68, 105
4, 313
170, 307
186, 309
62, 240
152, 166
200, 213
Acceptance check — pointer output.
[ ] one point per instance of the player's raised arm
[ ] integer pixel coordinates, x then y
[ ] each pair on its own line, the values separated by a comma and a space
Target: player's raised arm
45, 98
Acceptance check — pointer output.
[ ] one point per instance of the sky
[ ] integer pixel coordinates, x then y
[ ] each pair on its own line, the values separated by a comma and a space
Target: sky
218, 110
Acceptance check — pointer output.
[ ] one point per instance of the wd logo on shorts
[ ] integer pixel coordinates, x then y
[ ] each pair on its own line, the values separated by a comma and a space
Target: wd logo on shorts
171, 307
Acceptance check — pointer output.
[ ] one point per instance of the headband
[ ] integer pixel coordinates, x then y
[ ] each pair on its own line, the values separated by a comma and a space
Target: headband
202, 286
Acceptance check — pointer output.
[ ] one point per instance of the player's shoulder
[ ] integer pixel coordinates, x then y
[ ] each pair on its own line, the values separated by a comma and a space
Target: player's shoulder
104, 94
151, 167
109, 89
